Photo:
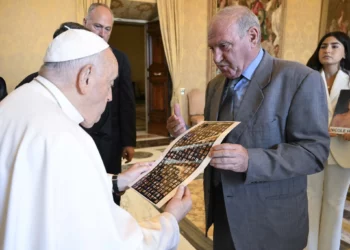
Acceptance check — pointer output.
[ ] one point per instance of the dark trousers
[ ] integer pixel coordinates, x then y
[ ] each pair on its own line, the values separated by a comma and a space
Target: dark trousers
116, 199
222, 234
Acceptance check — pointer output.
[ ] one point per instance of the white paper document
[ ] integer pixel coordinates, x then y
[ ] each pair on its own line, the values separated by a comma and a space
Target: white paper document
182, 161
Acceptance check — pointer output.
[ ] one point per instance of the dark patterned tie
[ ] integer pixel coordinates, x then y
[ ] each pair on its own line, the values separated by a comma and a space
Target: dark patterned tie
226, 112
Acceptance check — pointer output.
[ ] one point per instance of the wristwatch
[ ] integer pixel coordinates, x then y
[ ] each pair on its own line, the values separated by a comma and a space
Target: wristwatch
115, 185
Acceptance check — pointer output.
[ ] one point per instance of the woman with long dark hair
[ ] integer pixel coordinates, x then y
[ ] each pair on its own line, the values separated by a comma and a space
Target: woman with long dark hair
327, 190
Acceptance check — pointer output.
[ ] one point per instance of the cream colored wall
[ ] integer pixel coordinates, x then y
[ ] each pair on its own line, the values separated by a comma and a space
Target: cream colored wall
194, 63
26, 29
301, 29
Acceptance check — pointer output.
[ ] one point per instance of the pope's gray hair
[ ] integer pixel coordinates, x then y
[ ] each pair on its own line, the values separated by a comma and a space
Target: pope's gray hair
65, 68
245, 18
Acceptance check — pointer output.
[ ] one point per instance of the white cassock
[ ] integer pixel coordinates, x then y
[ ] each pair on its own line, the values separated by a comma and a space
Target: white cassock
54, 190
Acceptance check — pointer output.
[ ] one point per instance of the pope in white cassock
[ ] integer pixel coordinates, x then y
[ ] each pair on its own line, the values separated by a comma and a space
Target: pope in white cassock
54, 190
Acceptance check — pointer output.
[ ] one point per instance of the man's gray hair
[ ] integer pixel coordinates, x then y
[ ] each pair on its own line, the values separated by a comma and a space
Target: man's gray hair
245, 18
94, 6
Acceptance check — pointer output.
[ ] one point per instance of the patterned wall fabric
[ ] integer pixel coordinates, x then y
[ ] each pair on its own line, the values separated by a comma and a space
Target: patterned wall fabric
134, 9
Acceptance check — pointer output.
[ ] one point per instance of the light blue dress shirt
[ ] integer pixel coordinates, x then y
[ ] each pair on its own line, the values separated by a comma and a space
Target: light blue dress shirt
241, 87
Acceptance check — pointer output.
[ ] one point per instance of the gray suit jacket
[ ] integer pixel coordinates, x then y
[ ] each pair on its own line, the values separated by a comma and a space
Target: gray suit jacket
284, 126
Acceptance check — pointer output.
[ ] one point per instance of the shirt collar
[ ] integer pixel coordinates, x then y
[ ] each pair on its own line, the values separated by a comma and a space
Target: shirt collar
66, 106
249, 71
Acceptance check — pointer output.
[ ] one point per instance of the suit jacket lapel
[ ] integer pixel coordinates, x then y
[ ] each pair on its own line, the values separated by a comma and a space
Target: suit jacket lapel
341, 81
216, 100
253, 96
330, 111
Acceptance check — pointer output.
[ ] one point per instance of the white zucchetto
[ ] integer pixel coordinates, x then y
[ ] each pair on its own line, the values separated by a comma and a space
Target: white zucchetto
74, 44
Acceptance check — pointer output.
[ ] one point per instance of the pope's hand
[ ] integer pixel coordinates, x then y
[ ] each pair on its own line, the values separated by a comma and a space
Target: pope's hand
180, 204
175, 123
226, 156
130, 175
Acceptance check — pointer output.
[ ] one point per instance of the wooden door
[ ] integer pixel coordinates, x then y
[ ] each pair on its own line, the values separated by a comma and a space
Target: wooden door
159, 83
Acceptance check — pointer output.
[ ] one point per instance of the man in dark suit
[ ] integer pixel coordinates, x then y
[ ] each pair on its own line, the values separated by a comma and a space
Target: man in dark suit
121, 110
255, 185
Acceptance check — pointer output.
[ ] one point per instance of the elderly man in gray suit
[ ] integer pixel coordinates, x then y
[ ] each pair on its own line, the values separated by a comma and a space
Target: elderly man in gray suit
255, 185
